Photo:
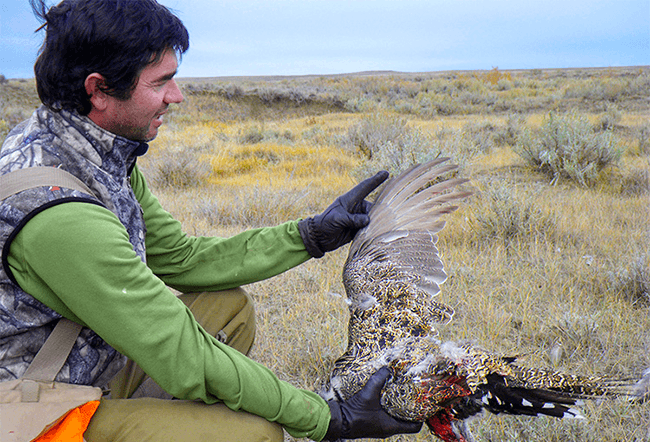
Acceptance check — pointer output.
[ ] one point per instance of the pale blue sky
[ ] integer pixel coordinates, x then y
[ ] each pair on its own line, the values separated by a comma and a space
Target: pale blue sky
296, 37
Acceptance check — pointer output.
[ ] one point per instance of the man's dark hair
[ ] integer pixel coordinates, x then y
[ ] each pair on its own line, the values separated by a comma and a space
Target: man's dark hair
115, 38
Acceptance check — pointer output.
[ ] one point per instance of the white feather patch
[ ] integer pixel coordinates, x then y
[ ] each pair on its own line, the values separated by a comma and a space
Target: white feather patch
450, 350
573, 413
363, 302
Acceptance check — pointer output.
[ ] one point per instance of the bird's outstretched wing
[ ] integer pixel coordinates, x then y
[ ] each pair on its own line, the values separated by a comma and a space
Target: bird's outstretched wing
393, 272
397, 250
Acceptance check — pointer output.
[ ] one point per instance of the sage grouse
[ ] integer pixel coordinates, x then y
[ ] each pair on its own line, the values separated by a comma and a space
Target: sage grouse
392, 276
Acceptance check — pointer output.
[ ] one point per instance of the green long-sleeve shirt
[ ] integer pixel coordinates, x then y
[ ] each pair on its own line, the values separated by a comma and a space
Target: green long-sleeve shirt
76, 259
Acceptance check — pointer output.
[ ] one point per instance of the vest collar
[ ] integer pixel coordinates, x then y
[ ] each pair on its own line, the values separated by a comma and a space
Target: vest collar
112, 153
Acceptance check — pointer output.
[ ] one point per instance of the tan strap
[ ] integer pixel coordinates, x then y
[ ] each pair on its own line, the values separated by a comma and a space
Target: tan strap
23, 179
48, 361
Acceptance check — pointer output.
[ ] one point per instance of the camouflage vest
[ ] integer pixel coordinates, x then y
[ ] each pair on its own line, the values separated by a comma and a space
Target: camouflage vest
103, 161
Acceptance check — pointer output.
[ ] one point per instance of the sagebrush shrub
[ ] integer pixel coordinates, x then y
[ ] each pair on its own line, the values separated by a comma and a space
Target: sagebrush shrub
567, 146
256, 134
609, 119
501, 211
388, 142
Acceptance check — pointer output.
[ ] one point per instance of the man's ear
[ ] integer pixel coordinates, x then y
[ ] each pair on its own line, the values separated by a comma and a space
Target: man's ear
94, 85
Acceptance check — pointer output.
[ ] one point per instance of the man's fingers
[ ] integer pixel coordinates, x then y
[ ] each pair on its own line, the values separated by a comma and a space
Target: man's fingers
363, 189
359, 221
377, 381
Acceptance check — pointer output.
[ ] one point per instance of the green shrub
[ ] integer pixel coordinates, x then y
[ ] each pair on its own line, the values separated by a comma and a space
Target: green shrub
509, 134
502, 211
252, 135
481, 134
257, 134
568, 147
609, 119
388, 142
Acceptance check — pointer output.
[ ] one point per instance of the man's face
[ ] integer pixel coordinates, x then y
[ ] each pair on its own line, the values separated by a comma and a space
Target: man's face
139, 117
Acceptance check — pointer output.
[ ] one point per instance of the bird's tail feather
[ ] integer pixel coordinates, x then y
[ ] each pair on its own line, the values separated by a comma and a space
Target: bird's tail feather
497, 397
576, 386
558, 395
641, 388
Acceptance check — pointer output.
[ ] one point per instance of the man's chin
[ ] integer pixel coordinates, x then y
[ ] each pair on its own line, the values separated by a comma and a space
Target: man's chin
153, 131
150, 135
139, 133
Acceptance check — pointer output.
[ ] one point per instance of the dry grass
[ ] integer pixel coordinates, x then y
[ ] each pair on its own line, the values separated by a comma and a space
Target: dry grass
532, 266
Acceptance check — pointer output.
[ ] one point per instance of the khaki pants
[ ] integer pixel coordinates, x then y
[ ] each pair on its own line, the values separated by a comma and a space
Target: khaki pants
139, 410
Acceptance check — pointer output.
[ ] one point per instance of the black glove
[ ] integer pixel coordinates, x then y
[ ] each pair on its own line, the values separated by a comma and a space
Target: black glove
338, 224
362, 415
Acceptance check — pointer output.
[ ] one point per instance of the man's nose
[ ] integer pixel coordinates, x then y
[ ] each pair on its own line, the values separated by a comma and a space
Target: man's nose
174, 94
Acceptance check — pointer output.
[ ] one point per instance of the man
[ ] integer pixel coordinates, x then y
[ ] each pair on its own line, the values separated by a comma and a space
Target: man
105, 75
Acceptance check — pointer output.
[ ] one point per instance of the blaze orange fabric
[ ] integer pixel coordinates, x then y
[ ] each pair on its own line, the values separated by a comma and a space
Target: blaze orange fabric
70, 427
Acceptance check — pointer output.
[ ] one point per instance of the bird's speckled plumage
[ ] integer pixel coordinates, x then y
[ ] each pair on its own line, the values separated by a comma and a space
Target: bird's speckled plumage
392, 278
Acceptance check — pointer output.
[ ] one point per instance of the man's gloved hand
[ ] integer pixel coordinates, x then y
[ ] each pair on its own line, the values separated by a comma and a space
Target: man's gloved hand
338, 224
362, 415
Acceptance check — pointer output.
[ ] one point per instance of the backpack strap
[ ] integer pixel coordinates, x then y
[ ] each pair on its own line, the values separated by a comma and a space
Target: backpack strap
50, 358
23, 179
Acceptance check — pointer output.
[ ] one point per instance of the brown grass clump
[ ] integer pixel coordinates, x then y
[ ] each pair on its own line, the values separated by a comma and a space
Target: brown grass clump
557, 273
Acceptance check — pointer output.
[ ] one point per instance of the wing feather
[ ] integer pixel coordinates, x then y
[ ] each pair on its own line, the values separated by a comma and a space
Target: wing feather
401, 238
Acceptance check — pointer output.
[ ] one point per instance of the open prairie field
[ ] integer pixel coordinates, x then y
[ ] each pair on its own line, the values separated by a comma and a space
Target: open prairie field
548, 260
